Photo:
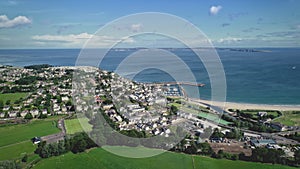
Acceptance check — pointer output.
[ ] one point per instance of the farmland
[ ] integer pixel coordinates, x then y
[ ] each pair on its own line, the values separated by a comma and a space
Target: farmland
74, 126
15, 139
12, 97
22, 132
16, 150
99, 158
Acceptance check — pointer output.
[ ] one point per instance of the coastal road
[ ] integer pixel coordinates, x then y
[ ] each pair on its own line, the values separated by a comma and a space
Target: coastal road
277, 136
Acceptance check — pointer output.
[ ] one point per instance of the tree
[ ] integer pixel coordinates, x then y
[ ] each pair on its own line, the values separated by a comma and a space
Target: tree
1, 105
205, 149
174, 109
191, 149
7, 102
217, 134
24, 159
28, 116
297, 156
79, 146
9, 165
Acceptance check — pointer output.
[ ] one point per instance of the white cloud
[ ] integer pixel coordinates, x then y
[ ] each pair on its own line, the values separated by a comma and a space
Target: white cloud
77, 40
71, 38
136, 27
12, 2
229, 40
214, 10
5, 22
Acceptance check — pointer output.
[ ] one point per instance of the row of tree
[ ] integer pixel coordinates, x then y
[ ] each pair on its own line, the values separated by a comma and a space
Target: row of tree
273, 156
77, 143
9, 164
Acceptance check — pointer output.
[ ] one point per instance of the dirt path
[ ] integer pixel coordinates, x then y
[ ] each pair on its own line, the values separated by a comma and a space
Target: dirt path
58, 136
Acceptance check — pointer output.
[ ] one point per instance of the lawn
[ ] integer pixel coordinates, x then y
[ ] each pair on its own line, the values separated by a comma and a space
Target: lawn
22, 132
207, 116
74, 126
12, 97
289, 118
16, 150
255, 116
201, 114
100, 159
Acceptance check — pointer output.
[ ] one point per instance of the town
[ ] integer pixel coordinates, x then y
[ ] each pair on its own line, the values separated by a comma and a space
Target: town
142, 110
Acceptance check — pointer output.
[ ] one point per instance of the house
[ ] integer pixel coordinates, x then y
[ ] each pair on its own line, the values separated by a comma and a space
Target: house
277, 126
107, 107
34, 112
6, 108
36, 140
262, 113
262, 142
65, 99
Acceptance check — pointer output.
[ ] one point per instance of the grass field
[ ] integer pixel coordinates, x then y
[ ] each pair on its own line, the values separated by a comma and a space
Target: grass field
207, 116
289, 118
12, 97
255, 116
16, 150
74, 126
201, 114
23, 132
100, 159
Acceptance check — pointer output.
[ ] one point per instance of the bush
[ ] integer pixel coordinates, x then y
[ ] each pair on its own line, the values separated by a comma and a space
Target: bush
25, 158
28, 116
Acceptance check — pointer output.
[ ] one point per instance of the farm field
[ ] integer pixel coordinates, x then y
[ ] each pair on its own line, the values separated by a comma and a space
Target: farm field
99, 158
15, 139
16, 150
23, 132
289, 118
12, 96
74, 126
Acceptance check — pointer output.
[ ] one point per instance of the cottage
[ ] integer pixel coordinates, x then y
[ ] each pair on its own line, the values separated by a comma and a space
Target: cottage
36, 140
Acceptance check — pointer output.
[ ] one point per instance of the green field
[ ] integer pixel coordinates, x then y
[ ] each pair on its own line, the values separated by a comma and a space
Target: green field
16, 150
23, 132
74, 126
201, 114
12, 96
255, 116
100, 159
207, 116
289, 118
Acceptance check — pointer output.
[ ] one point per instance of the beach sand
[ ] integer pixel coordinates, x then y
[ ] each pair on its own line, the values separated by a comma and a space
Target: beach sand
243, 106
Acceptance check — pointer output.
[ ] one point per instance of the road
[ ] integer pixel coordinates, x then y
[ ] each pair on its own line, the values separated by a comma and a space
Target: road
277, 136
58, 136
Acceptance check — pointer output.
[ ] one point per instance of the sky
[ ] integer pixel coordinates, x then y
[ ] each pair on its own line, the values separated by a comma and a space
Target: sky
226, 23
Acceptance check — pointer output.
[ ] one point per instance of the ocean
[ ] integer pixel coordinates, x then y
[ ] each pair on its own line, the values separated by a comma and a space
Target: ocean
271, 77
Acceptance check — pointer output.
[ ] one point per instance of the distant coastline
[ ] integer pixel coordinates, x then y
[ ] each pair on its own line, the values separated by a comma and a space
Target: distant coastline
269, 78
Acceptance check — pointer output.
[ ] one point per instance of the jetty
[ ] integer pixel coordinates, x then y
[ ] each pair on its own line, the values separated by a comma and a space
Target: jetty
181, 83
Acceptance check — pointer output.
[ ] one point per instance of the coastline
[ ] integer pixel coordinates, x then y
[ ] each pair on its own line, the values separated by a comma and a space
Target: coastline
243, 106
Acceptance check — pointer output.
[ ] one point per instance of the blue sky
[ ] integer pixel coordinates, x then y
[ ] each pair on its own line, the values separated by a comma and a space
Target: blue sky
227, 23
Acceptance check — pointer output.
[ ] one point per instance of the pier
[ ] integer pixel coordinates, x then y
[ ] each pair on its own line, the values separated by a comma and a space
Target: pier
181, 83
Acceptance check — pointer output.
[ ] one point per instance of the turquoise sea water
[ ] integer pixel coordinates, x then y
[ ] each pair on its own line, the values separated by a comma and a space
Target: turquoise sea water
252, 77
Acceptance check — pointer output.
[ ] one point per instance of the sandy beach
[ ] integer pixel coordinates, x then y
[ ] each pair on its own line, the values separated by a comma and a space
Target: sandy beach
243, 106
